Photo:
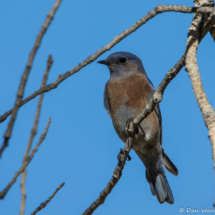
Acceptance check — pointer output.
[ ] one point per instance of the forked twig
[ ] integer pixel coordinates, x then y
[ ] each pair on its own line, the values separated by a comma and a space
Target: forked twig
33, 133
22, 168
20, 93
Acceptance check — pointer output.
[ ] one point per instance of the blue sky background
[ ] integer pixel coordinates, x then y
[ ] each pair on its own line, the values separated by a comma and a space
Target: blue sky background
81, 145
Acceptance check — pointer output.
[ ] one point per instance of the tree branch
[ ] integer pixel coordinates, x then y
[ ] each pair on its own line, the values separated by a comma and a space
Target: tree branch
158, 94
43, 205
116, 174
159, 9
204, 105
33, 133
20, 93
157, 98
42, 137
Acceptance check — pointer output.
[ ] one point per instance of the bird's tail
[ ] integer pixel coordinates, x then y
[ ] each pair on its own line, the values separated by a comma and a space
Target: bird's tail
159, 186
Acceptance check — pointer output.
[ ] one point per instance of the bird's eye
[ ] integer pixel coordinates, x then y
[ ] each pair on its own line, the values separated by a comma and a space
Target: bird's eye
122, 59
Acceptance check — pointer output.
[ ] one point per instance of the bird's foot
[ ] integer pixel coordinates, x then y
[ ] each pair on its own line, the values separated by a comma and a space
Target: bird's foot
136, 131
121, 156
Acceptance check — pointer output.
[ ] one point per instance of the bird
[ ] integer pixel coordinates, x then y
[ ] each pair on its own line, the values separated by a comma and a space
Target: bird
126, 94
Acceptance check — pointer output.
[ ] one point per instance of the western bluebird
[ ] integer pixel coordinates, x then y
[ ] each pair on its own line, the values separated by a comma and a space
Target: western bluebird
126, 94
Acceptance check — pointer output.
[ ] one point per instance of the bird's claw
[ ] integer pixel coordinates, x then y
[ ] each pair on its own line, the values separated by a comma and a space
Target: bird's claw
120, 156
136, 131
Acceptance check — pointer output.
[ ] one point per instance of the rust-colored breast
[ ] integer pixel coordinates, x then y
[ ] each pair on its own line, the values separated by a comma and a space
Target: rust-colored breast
133, 92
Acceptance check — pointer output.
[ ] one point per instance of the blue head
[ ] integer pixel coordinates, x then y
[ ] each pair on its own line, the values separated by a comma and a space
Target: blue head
123, 64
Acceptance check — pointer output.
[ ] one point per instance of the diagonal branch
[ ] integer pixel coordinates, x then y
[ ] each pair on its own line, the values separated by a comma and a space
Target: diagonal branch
28, 160
20, 93
157, 98
43, 205
147, 110
158, 94
33, 133
116, 175
159, 9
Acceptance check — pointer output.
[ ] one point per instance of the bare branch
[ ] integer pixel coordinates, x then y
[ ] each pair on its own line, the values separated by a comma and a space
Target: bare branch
26, 73
42, 137
43, 205
158, 94
204, 105
116, 175
33, 133
157, 98
159, 9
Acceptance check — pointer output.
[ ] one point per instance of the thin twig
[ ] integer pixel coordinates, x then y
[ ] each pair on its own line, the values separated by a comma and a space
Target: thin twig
42, 137
20, 93
43, 205
33, 133
159, 9
157, 98
158, 94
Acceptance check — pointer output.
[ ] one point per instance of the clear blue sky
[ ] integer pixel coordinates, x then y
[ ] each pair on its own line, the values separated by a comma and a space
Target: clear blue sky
81, 145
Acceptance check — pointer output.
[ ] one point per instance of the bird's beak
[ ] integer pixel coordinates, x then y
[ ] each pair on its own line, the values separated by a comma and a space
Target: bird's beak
105, 62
